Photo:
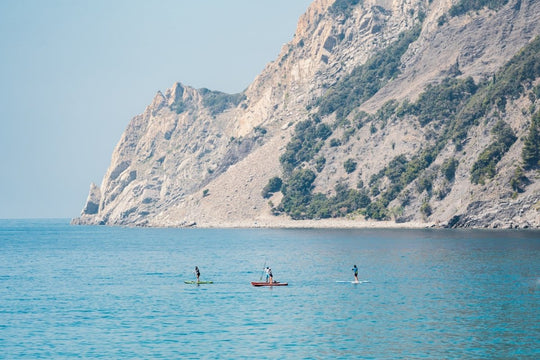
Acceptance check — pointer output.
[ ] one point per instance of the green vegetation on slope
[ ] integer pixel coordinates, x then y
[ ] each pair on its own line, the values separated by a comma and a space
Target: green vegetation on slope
439, 103
464, 6
308, 139
300, 203
484, 167
531, 145
365, 80
274, 185
447, 97
342, 7
217, 101
448, 168
507, 84
452, 107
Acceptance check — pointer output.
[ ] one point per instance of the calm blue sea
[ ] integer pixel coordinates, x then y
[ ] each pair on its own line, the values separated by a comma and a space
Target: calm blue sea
119, 293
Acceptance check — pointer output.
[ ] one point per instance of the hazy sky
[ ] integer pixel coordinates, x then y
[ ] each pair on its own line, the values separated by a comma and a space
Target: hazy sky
73, 74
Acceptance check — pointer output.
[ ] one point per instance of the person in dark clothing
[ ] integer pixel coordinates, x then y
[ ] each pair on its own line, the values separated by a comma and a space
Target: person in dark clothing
355, 271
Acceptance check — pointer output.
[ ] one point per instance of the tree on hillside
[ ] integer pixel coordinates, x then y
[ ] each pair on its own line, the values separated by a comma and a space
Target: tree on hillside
531, 146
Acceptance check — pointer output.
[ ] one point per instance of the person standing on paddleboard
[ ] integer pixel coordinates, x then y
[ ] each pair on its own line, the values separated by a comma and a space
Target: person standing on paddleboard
355, 270
270, 276
267, 272
197, 273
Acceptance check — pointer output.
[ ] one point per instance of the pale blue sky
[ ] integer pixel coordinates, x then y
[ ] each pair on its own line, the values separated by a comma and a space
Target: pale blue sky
73, 74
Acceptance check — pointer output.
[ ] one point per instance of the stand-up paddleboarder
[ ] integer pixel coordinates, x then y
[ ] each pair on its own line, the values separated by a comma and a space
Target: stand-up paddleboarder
355, 271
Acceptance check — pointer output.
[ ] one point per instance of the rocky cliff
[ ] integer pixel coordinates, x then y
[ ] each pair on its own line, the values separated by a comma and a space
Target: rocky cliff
408, 111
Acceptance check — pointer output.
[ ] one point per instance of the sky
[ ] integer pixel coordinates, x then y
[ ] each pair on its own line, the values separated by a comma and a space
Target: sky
74, 72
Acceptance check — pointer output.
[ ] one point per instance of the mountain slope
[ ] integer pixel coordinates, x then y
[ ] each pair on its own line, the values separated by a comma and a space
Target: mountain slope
385, 110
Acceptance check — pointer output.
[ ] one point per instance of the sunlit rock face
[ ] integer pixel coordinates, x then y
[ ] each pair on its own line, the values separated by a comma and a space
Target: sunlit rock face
196, 156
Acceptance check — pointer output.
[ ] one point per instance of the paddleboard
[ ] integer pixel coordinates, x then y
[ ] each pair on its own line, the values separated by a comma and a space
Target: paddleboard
352, 282
200, 282
275, 283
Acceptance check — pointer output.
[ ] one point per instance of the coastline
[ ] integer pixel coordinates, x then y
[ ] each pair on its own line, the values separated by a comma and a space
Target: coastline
313, 224
287, 223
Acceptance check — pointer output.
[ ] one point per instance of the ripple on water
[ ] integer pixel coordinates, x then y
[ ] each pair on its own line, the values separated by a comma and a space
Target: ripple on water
119, 293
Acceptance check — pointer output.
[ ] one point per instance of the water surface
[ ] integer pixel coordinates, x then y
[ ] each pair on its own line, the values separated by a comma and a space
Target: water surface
101, 292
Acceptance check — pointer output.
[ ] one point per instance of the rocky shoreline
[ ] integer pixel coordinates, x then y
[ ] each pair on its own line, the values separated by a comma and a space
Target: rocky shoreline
317, 224
340, 223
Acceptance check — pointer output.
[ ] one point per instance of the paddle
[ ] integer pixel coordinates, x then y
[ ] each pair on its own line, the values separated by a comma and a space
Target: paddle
262, 273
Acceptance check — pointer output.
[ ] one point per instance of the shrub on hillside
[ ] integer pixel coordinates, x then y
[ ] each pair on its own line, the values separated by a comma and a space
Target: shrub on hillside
531, 145
274, 185
217, 101
342, 7
464, 6
350, 166
485, 166
448, 168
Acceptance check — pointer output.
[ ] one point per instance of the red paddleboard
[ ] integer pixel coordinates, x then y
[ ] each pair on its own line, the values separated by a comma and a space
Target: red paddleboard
275, 283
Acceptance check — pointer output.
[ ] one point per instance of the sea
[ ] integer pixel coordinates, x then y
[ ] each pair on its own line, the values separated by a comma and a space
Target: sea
97, 292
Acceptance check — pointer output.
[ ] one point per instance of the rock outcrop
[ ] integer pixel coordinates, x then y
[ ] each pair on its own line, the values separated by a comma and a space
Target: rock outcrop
196, 156
93, 201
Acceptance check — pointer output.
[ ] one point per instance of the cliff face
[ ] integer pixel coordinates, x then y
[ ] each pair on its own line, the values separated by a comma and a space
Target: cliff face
200, 156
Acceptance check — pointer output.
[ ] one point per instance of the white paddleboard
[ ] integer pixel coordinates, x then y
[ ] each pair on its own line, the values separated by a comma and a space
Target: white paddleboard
352, 282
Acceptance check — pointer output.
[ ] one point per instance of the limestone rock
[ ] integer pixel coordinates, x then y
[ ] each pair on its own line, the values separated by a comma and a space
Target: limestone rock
196, 156
92, 203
